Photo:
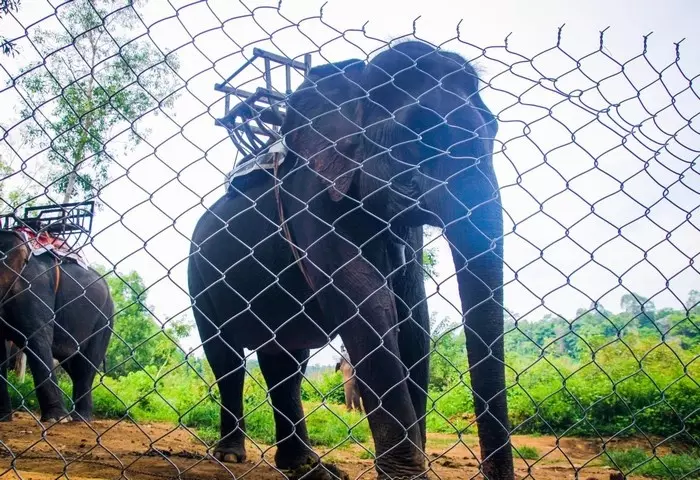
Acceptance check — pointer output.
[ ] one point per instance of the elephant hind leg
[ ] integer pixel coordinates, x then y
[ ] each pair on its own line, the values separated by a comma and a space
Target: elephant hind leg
82, 369
40, 360
283, 374
82, 375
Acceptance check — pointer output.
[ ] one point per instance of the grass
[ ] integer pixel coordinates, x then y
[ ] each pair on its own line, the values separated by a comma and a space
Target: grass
527, 453
638, 462
367, 455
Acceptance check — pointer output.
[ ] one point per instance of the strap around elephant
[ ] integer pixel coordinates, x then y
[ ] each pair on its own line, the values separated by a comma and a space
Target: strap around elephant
57, 282
285, 227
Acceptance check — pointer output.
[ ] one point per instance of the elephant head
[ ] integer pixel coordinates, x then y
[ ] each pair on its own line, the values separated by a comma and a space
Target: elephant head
407, 137
14, 255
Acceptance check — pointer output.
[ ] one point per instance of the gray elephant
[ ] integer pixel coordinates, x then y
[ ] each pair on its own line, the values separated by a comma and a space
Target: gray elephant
375, 151
52, 309
350, 387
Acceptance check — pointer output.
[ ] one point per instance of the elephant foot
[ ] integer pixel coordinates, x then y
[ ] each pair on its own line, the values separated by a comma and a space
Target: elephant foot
52, 421
81, 417
317, 471
231, 454
56, 417
299, 461
291, 456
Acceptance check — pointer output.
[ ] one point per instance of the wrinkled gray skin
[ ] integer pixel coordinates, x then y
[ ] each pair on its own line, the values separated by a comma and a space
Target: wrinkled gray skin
416, 152
77, 338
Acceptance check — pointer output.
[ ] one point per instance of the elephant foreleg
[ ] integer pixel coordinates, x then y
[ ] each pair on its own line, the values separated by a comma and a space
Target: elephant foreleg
414, 325
355, 298
5, 403
38, 324
368, 331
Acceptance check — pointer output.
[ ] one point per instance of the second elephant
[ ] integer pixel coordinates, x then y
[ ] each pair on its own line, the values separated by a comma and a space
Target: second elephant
52, 309
351, 389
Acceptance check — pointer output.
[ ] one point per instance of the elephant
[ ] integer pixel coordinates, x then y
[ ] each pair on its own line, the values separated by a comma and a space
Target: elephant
352, 391
55, 311
328, 242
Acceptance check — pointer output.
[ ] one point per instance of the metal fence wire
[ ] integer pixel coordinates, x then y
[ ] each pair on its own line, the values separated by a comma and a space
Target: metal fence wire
249, 242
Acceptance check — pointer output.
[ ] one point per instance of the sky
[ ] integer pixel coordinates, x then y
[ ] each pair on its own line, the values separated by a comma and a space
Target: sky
595, 160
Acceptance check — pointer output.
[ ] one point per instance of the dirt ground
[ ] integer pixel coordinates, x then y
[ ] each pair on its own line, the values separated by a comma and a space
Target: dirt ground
109, 450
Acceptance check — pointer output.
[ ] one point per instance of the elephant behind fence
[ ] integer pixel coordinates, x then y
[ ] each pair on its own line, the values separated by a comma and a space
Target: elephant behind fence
53, 310
372, 152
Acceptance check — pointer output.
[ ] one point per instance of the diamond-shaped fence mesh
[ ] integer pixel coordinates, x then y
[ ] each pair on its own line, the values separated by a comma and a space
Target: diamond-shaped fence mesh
247, 242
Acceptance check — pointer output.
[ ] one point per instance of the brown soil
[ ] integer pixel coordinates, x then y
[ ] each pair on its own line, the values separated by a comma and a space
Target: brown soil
109, 450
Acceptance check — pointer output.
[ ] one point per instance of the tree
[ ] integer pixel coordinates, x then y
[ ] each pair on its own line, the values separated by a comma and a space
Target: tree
641, 309
429, 262
100, 75
448, 356
693, 302
635, 304
138, 340
430, 254
12, 196
6, 6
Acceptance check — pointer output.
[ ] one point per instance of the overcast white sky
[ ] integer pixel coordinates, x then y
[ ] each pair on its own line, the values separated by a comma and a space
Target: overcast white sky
594, 141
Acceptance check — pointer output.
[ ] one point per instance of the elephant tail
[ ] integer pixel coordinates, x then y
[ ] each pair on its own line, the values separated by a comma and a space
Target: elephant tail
102, 338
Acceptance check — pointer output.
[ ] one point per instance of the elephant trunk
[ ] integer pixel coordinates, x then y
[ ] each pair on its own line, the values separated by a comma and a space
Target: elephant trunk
476, 240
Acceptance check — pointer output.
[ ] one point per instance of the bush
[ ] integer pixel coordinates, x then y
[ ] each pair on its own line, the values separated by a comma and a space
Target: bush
638, 462
450, 411
600, 382
326, 387
527, 453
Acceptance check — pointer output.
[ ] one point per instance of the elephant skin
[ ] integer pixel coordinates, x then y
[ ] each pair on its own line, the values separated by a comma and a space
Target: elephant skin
376, 150
54, 318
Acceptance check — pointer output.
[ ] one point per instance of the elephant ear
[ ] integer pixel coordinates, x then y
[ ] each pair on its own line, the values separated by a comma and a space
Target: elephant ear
323, 123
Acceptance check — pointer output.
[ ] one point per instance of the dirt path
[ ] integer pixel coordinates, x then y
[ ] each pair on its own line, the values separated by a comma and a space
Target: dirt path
109, 450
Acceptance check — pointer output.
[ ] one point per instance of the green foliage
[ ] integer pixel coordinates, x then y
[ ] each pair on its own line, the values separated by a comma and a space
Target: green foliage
448, 360
326, 387
601, 373
429, 262
367, 454
108, 80
527, 453
638, 462
451, 411
138, 340
7, 47
592, 376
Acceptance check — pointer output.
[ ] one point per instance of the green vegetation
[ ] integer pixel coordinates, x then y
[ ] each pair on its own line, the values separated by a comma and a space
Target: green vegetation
7, 47
638, 462
527, 453
82, 101
599, 374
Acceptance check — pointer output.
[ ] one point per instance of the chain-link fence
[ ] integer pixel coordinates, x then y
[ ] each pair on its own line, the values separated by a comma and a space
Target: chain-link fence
246, 242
